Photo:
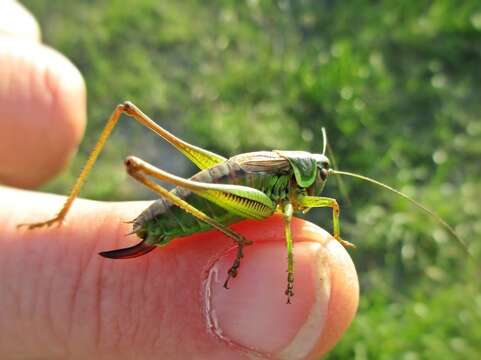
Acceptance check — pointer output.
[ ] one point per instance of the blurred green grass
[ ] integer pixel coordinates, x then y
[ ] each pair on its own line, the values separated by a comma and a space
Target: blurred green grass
397, 86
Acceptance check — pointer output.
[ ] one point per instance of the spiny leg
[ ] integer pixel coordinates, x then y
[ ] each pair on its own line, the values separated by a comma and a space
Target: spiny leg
317, 201
287, 212
137, 167
202, 158
232, 272
104, 135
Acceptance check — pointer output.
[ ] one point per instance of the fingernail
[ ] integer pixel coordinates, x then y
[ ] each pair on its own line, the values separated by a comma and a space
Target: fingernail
252, 314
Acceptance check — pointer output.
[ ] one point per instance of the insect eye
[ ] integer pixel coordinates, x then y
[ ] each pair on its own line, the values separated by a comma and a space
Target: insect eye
325, 164
323, 173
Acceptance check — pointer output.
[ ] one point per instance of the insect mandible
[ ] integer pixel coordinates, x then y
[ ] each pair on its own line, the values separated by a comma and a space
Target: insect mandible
247, 186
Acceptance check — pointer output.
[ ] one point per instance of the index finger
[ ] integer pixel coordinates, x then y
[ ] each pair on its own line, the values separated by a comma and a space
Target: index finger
42, 112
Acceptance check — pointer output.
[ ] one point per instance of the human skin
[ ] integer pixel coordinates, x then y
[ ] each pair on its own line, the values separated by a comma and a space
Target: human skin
59, 299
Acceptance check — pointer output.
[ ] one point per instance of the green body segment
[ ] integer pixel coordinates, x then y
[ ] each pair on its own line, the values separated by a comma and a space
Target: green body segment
163, 221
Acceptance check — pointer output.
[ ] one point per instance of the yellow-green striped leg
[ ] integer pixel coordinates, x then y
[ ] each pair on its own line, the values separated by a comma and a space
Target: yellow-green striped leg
288, 210
318, 201
200, 157
250, 203
244, 201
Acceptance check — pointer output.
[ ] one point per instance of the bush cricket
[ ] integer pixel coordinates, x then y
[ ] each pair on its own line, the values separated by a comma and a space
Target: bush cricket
246, 186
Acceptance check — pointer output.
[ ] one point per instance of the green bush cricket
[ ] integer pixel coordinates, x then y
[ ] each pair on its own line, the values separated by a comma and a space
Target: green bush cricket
246, 186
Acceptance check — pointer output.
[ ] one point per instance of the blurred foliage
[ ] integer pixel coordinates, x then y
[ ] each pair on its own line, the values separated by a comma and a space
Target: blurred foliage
397, 86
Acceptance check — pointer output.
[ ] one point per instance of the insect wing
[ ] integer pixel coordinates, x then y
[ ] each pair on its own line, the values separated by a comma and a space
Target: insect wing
266, 162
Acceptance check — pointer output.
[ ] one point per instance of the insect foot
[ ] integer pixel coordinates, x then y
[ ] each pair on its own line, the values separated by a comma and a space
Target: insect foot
289, 292
290, 287
346, 244
57, 220
232, 273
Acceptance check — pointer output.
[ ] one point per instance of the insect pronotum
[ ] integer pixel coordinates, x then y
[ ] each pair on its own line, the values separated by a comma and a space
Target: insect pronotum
247, 186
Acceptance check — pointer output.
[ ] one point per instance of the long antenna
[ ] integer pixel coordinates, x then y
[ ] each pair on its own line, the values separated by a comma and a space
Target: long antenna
417, 204
324, 140
340, 183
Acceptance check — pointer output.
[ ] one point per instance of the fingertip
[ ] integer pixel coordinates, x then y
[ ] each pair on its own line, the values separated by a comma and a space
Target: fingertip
253, 314
42, 112
344, 292
17, 21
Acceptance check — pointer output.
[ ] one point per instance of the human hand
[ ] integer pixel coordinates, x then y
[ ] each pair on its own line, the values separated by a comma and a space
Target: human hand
59, 299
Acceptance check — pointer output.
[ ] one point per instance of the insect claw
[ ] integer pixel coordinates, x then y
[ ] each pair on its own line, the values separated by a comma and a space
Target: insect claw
129, 221
226, 283
289, 294
48, 223
346, 244
232, 273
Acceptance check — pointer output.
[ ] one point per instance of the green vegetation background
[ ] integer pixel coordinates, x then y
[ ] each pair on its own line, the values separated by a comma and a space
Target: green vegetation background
396, 84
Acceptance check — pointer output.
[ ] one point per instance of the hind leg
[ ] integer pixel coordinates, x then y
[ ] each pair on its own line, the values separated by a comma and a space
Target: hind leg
138, 169
201, 157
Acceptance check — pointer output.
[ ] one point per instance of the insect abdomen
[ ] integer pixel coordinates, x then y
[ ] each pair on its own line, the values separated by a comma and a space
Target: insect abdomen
171, 221
163, 221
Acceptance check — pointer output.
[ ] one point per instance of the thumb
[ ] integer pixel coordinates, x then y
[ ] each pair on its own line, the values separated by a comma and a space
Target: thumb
60, 299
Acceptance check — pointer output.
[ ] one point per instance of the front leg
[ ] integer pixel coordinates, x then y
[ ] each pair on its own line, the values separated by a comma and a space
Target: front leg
318, 201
